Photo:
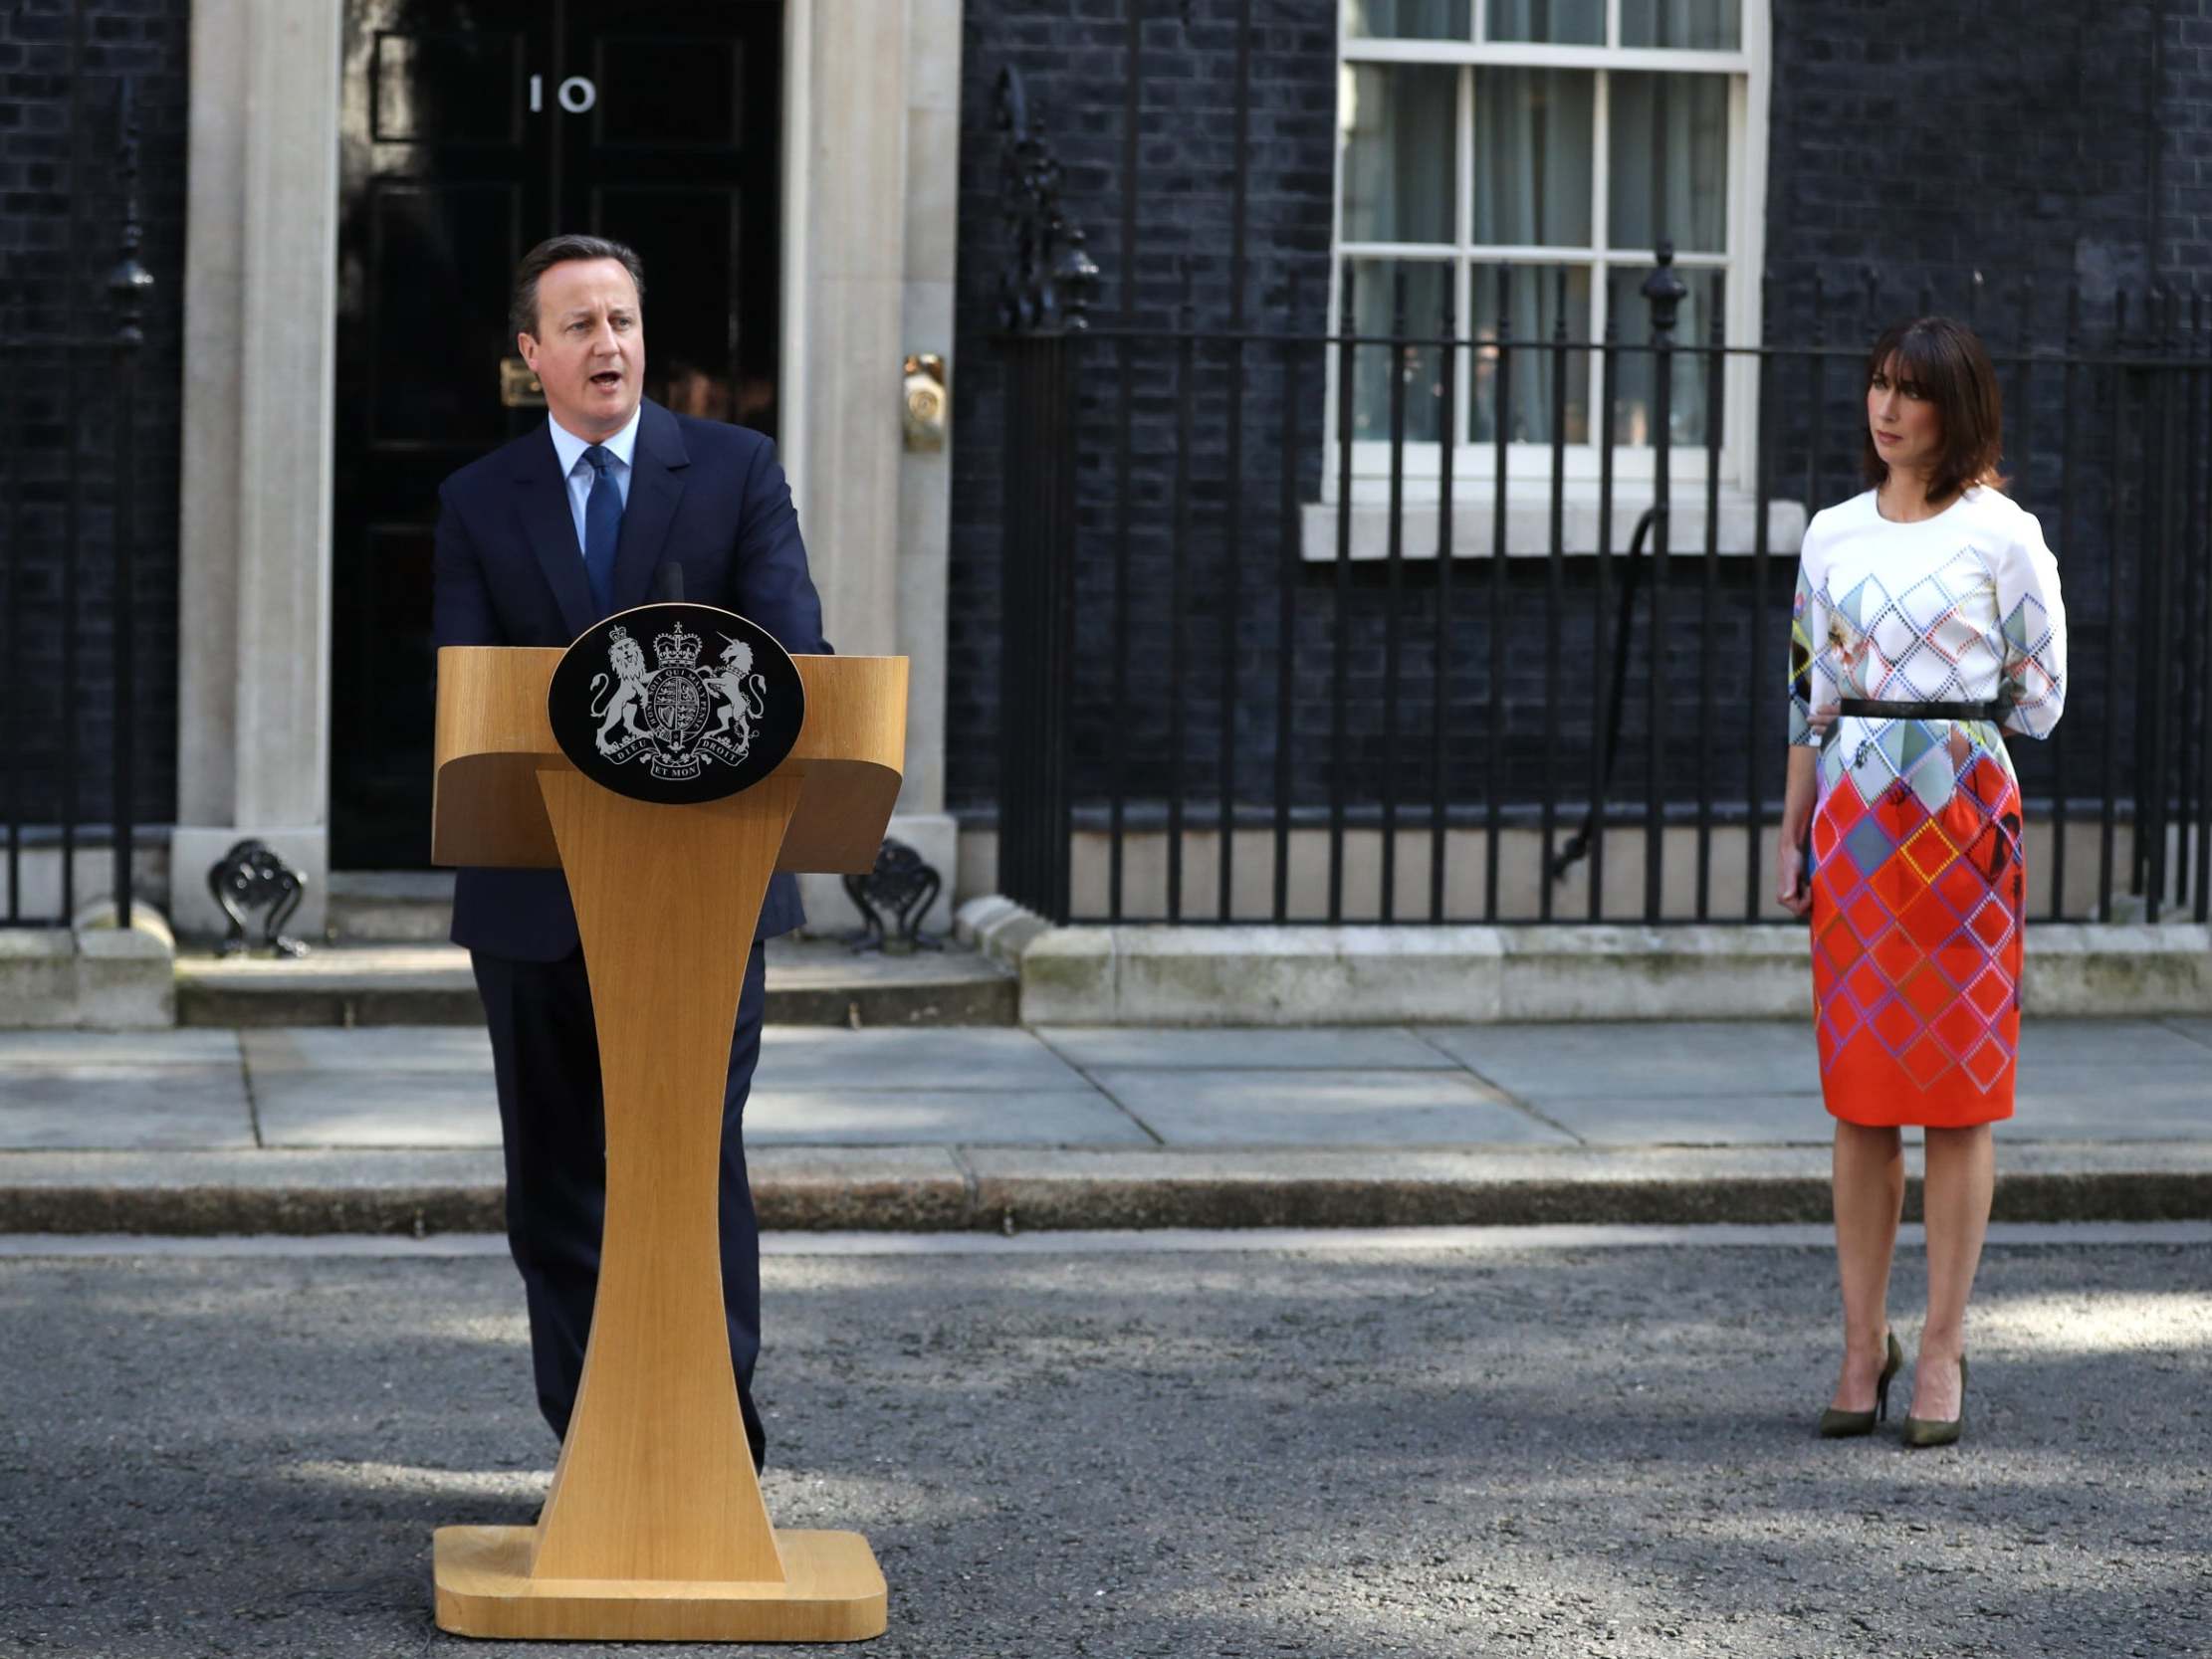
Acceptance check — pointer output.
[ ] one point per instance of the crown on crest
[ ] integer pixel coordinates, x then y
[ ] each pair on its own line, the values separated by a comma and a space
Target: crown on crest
677, 650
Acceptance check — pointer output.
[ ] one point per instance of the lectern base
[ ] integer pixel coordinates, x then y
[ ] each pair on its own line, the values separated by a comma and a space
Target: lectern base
832, 1592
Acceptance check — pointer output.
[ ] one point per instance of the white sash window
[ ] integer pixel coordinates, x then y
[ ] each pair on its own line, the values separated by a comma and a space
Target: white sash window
1556, 141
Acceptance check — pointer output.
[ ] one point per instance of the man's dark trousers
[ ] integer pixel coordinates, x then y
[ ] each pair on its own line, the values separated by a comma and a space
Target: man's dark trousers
542, 1042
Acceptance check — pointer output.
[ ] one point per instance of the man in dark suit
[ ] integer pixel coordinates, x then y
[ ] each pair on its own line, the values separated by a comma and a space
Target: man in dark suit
535, 542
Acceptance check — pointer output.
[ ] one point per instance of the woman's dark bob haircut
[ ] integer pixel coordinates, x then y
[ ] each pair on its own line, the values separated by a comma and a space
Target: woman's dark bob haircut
1946, 363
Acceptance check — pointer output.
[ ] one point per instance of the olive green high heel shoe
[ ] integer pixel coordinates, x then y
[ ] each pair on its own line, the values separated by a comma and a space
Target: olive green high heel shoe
1842, 1425
1934, 1431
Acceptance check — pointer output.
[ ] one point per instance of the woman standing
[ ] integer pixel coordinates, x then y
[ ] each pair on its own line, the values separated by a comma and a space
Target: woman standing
1927, 620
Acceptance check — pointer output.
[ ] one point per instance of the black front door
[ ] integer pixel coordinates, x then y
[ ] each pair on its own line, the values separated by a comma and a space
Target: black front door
471, 130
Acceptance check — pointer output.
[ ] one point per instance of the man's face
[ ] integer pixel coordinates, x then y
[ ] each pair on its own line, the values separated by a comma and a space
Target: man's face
590, 352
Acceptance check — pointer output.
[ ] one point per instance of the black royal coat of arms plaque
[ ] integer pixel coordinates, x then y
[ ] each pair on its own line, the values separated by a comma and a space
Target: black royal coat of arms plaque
676, 702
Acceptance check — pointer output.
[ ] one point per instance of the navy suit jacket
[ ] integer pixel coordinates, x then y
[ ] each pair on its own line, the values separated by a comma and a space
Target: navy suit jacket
713, 498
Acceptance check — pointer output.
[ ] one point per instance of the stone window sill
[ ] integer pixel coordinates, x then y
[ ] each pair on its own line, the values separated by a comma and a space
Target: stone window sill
1528, 524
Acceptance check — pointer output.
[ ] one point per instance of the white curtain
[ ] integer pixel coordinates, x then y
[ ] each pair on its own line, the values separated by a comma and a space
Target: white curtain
1418, 367
1531, 309
1632, 378
1400, 174
1560, 22
1669, 167
1401, 184
1669, 144
1533, 166
1689, 25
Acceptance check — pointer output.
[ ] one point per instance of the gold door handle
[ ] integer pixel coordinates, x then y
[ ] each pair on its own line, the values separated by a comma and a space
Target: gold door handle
925, 402
518, 387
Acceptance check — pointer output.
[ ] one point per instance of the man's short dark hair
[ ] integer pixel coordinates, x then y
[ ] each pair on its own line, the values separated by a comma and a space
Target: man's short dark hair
522, 305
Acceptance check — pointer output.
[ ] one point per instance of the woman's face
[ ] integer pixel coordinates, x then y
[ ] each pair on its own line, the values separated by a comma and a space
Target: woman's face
1907, 432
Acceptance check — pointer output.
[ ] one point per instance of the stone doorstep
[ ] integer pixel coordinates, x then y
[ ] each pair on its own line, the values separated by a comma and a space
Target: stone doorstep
365, 911
813, 982
943, 1190
1138, 974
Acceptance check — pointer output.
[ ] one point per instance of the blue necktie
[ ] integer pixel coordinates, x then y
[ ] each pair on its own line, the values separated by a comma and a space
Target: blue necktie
602, 527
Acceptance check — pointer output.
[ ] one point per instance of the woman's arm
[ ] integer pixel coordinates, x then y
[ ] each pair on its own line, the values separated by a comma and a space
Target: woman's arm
2032, 623
1792, 886
1813, 711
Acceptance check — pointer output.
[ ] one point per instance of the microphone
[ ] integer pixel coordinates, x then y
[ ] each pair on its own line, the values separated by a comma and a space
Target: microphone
668, 583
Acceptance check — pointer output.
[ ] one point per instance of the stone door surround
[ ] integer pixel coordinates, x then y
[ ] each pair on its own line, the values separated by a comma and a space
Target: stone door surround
261, 275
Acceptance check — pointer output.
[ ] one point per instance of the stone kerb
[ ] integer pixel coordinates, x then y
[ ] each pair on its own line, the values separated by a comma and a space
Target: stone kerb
1136, 974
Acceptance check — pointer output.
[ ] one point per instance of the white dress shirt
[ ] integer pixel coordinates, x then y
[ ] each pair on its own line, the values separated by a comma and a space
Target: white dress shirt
577, 471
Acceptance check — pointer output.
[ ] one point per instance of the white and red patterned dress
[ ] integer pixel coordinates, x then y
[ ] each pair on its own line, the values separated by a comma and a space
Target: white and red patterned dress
1918, 888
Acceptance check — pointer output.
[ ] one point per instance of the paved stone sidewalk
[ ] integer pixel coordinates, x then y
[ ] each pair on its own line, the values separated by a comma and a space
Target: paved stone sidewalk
975, 1126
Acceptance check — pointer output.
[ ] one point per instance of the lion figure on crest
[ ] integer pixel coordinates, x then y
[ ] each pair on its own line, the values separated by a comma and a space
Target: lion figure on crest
628, 694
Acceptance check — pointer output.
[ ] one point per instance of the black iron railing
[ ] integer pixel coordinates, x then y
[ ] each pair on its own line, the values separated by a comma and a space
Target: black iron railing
69, 477
1279, 672
1042, 303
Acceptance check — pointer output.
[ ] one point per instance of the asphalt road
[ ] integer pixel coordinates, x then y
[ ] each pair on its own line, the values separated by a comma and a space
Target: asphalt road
1328, 1451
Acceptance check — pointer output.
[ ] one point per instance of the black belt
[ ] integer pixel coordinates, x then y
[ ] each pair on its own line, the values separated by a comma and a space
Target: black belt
1873, 709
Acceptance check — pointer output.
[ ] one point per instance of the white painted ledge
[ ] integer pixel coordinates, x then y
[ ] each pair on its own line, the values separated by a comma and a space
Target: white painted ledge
1475, 976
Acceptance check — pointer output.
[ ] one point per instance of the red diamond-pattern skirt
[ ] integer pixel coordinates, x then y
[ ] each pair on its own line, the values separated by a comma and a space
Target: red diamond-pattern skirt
1916, 948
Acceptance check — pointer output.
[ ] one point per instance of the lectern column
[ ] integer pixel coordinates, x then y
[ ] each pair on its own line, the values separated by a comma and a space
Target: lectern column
655, 1479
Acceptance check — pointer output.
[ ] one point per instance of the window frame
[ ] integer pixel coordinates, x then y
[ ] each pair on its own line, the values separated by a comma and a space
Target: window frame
1748, 71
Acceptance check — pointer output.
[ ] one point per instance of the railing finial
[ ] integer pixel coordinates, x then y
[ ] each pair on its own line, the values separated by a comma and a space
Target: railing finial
1666, 291
1046, 283
129, 282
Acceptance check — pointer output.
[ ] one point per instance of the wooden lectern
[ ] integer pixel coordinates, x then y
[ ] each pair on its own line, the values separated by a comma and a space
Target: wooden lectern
655, 1529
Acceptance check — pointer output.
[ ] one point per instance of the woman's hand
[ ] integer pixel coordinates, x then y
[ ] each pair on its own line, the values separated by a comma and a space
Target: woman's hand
1822, 717
1792, 888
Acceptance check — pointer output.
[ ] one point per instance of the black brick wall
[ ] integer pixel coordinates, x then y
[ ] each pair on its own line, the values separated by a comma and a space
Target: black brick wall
2185, 159
2017, 139
62, 65
1076, 74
